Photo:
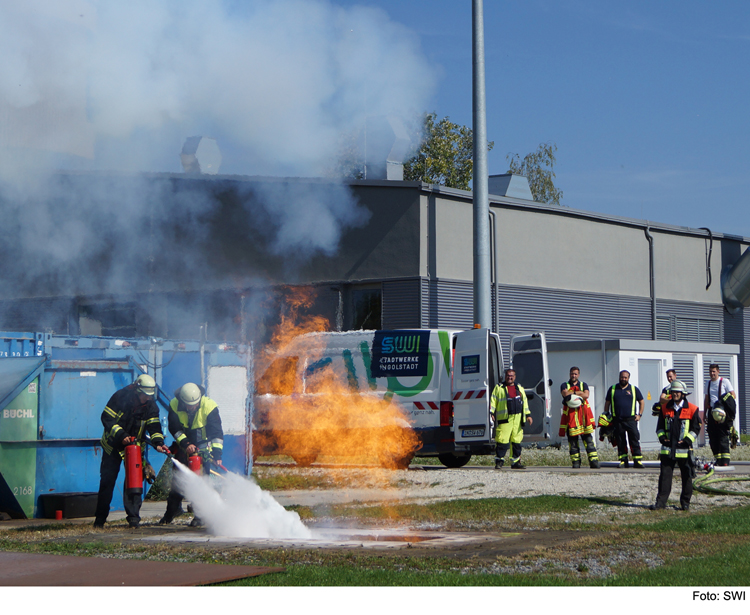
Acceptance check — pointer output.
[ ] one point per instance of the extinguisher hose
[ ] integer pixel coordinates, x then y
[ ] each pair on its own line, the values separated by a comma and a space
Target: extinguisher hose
702, 484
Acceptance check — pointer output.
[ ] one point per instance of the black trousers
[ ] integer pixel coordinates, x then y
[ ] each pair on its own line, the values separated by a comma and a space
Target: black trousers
588, 442
718, 440
108, 472
626, 431
665, 480
501, 450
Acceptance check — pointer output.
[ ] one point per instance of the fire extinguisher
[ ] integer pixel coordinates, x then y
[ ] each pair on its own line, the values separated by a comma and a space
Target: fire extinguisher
133, 470
195, 464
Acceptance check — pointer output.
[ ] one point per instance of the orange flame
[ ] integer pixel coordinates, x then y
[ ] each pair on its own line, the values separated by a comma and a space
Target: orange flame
309, 415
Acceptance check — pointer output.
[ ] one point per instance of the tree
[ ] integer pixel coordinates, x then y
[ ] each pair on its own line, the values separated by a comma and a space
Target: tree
537, 168
445, 155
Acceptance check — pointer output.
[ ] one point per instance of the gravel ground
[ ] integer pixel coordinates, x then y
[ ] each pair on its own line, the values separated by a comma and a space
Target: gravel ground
636, 489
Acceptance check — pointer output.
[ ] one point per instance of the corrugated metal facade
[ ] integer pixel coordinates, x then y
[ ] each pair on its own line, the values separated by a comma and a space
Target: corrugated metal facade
737, 331
402, 304
565, 315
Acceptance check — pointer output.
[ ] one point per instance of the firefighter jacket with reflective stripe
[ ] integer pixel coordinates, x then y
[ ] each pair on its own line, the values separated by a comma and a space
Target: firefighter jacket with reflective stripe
612, 399
503, 407
576, 421
674, 427
201, 428
729, 403
124, 416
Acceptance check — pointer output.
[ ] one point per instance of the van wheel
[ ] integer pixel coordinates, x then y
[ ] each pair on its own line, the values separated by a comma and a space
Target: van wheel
304, 460
449, 460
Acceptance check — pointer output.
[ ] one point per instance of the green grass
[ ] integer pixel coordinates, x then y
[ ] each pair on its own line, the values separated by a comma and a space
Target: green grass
478, 510
729, 568
668, 548
733, 521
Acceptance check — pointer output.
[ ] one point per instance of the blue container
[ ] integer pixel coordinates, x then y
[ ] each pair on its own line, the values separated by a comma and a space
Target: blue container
53, 390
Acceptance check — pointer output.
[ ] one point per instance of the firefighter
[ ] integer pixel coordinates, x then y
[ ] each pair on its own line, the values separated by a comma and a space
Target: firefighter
720, 408
195, 424
578, 419
677, 428
665, 396
624, 403
129, 413
511, 410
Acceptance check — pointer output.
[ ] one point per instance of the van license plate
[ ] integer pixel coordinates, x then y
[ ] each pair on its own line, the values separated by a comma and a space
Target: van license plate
472, 433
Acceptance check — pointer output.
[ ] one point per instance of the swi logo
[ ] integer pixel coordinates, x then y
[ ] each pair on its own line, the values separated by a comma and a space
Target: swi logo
401, 344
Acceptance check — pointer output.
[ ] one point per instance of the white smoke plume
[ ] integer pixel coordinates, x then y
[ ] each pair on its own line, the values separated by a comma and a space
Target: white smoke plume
275, 81
105, 86
241, 510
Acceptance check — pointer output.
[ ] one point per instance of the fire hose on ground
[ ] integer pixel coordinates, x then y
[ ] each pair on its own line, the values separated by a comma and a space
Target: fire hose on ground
702, 484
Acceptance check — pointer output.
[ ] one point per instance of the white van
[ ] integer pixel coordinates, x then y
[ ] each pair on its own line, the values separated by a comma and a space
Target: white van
431, 388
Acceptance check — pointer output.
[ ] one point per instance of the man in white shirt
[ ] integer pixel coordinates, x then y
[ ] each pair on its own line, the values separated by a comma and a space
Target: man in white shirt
720, 408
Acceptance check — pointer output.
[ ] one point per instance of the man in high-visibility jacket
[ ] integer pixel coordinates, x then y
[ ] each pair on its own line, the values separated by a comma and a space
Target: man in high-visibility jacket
577, 419
677, 428
195, 424
511, 409
129, 413
624, 403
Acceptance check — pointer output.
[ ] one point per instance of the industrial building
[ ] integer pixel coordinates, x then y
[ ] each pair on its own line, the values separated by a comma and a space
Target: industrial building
207, 262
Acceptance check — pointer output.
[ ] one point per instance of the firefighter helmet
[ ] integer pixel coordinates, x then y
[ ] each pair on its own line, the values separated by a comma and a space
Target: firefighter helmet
145, 384
190, 394
574, 402
719, 415
678, 385
604, 420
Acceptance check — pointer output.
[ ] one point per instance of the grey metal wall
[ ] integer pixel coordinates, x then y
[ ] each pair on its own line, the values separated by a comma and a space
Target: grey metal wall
737, 331
402, 304
563, 315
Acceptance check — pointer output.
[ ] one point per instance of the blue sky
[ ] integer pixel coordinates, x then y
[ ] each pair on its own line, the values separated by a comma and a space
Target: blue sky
647, 101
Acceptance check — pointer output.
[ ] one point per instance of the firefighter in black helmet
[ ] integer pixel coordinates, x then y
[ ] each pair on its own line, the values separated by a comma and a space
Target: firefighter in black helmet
195, 424
129, 413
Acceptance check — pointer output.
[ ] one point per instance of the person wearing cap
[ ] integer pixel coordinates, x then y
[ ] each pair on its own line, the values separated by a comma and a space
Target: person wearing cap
195, 425
677, 428
128, 415
577, 419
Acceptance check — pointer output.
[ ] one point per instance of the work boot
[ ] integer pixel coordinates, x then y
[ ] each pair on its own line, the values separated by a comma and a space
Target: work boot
576, 464
166, 520
624, 464
638, 464
499, 463
594, 464
685, 507
196, 522
98, 524
134, 525
518, 466
656, 507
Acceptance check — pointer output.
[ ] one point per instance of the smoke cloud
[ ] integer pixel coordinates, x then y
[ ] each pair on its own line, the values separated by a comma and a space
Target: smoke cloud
241, 509
105, 88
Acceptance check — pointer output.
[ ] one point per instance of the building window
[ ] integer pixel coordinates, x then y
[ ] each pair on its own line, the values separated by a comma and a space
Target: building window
367, 308
109, 319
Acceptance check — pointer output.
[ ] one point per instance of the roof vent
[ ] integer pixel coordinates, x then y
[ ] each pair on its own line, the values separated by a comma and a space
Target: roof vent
200, 156
514, 186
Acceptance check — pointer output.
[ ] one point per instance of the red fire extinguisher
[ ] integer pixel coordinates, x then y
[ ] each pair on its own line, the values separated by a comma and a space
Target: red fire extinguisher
195, 464
133, 469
